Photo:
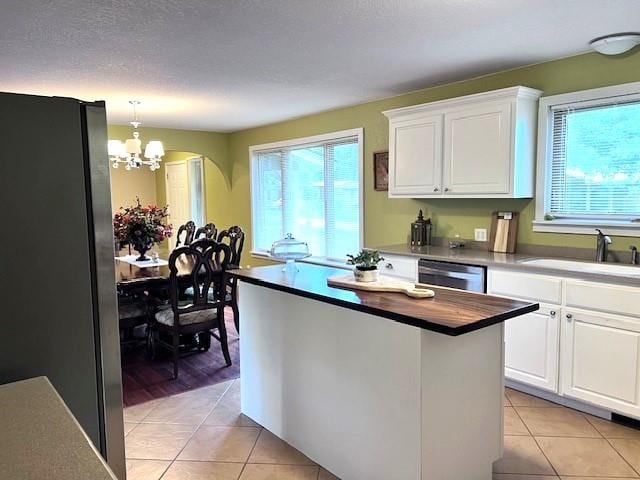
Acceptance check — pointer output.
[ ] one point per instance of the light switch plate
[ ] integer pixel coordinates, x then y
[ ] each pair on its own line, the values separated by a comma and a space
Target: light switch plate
480, 234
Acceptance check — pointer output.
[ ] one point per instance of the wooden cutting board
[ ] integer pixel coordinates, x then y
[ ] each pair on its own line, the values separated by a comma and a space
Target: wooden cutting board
504, 232
384, 284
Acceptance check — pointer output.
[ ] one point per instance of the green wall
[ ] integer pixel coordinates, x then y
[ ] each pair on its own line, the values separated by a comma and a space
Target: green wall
387, 220
182, 144
216, 188
213, 145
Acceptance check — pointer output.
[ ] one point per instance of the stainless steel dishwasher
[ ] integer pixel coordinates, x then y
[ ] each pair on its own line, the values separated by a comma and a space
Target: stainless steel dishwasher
454, 275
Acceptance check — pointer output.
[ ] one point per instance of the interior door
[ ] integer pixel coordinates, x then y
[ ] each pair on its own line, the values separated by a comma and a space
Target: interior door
177, 181
477, 150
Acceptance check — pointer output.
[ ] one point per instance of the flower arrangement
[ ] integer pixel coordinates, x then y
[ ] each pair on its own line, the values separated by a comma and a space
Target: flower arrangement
141, 227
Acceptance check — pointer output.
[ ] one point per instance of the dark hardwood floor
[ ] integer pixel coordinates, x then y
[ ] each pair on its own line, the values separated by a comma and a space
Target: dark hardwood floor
144, 379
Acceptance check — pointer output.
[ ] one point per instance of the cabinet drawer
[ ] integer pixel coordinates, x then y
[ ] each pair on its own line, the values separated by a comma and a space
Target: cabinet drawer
602, 297
399, 266
539, 288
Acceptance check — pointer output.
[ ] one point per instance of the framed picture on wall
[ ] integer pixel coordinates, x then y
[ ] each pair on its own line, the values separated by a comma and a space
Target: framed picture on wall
381, 170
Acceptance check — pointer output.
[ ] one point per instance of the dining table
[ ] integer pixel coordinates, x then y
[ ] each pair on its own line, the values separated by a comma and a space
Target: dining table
131, 278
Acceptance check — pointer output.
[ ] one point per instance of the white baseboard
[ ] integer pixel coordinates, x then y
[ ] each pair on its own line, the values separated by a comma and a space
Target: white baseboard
555, 398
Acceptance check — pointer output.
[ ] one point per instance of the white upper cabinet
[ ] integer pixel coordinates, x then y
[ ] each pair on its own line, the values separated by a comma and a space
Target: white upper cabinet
477, 149
419, 142
477, 146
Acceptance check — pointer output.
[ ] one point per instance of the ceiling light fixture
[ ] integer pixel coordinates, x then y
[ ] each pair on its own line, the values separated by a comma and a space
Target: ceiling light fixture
615, 44
129, 151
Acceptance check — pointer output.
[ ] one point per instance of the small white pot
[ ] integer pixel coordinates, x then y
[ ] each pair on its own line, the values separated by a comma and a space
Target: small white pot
365, 275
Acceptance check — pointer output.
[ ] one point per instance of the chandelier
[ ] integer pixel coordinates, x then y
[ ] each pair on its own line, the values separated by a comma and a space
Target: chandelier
129, 151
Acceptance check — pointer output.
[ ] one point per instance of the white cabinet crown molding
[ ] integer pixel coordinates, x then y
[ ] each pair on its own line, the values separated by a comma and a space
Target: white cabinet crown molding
452, 103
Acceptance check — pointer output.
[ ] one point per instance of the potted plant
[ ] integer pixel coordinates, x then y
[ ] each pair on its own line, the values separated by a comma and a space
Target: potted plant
366, 263
141, 227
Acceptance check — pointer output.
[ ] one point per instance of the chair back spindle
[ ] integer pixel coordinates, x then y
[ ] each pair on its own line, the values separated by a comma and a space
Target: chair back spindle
234, 237
208, 231
189, 230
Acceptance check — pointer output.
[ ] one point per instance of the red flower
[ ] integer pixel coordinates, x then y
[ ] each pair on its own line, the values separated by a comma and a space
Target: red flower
143, 226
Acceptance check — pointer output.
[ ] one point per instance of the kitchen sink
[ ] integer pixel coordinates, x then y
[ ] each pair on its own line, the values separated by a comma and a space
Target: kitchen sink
588, 267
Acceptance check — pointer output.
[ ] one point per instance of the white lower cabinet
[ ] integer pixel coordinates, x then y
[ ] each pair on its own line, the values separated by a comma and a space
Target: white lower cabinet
531, 348
600, 358
576, 348
531, 340
399, 266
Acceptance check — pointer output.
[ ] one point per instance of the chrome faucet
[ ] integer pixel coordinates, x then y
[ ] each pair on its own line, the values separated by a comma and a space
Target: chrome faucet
602, 246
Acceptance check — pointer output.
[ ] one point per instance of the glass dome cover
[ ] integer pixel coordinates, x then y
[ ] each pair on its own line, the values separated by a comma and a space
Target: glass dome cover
289, 249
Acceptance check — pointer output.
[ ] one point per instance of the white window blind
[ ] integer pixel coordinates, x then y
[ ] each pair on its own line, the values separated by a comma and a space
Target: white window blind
595, 161
311, 190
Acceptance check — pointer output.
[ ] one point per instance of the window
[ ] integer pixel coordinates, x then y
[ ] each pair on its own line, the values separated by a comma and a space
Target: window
589, 161
310, 187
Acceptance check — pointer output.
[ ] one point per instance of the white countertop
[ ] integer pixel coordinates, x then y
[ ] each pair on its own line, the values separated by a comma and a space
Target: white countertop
41, 439
512, 261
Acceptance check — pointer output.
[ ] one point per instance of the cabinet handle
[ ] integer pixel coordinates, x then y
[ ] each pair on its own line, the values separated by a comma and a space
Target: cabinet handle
436, 189
446, 189
552, 313
389, 266
569, 317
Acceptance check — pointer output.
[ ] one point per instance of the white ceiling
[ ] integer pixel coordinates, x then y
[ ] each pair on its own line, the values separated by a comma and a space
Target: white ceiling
231, 64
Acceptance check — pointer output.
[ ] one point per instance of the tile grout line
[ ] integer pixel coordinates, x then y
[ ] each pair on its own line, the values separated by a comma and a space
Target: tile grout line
622, 457
536, 442
613, 446
204, 419
250, 452
171, 462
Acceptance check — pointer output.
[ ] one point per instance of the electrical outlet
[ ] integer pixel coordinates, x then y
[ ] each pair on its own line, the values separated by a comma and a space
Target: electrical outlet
480, 234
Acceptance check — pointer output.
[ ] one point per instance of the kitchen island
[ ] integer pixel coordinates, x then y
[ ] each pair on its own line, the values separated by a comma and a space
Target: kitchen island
375, 385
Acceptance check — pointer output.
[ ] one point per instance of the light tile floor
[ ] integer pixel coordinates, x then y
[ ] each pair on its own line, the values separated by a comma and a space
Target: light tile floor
201, 435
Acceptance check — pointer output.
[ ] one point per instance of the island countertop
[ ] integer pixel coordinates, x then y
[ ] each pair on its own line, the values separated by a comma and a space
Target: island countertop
452, 312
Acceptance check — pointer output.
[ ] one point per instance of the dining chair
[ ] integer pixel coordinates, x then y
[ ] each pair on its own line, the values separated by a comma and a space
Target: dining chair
202, 267
234, 237
208, 231
133, 311
189, 230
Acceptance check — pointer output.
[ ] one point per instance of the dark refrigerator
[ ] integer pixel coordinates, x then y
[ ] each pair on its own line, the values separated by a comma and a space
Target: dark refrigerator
58, 305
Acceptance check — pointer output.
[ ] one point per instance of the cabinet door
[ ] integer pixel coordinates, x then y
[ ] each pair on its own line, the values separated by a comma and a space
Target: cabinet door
477, 150
531, 348
415, 157
600, 358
